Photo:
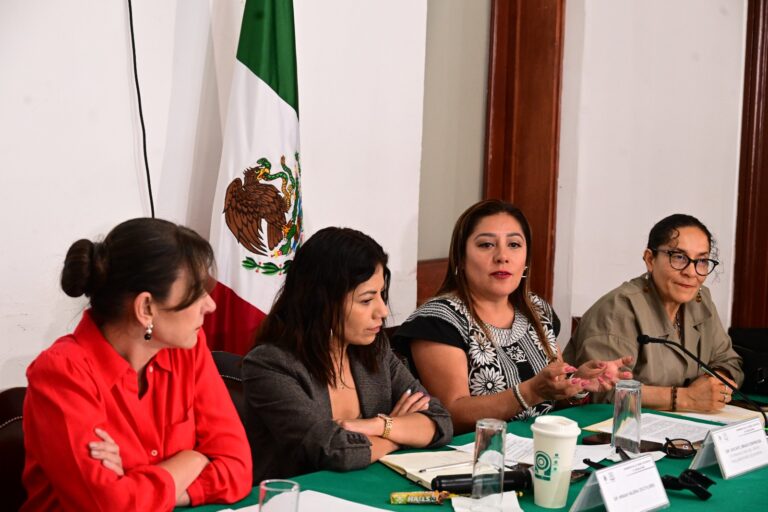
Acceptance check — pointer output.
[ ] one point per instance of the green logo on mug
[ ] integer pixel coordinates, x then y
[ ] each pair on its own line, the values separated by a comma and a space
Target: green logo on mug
543, 467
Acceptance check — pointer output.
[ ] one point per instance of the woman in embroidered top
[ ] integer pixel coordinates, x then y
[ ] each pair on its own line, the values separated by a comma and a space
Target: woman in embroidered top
670, 302
485, 345
128, 412
323, 389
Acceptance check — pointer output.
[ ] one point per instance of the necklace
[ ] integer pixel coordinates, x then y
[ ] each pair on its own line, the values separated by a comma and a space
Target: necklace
678, 326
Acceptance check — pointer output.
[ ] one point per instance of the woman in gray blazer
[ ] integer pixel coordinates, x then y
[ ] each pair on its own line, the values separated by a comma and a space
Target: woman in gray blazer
323, 389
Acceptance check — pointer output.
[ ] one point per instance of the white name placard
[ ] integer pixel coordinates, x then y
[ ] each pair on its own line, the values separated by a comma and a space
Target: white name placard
739, 448
632, 485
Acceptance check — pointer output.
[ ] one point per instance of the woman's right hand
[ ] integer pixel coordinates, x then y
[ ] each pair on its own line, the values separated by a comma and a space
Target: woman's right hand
410, 402
705, 394
107, 451
551, 383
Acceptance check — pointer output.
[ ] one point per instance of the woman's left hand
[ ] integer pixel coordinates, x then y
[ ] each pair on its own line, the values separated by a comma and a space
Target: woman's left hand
601, 376
107, 451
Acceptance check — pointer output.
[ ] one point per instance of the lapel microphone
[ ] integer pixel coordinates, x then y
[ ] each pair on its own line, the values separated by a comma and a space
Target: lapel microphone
644, 339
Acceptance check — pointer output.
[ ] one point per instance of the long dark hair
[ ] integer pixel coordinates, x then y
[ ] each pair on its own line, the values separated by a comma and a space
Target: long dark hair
310, 305
138, 255
455, 281
668, 229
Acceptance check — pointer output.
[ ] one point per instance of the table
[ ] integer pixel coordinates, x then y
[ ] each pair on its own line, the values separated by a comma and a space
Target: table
372, 485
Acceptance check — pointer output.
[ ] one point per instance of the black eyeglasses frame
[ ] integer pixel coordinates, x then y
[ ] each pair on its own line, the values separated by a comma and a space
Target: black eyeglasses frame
695, 261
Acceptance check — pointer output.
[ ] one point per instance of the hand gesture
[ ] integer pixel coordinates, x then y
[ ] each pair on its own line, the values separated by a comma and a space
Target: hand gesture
107, 451
551, 382
602, 376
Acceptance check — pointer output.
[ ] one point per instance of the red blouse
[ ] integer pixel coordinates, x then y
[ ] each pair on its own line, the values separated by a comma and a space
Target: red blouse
81, 383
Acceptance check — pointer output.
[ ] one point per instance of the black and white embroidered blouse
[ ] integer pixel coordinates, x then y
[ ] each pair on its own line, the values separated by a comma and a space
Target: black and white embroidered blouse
512, 356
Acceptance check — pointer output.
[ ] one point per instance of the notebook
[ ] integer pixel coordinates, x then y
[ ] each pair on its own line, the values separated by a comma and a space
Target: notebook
416, 466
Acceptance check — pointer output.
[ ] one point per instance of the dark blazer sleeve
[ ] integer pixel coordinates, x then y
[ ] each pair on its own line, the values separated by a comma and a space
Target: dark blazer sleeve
403, 380
285, 398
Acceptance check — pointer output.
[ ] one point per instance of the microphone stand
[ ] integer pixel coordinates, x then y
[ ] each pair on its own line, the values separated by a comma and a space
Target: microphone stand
644, 339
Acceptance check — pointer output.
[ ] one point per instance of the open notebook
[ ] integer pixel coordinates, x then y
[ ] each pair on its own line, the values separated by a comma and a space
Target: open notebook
415, 466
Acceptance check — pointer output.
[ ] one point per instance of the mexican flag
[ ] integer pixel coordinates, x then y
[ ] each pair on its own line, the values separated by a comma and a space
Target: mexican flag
257, 214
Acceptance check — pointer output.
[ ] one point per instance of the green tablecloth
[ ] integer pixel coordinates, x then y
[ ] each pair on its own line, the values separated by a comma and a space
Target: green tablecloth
371, 486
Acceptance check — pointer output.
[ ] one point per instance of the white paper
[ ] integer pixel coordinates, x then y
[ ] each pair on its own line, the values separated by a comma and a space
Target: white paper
657, 428
520, 449
727, 415
656, 456
313, 501
741, 447
633, 485
509, 503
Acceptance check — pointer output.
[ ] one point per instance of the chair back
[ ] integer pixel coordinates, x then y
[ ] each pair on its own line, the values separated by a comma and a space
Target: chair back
12, 493
229, 366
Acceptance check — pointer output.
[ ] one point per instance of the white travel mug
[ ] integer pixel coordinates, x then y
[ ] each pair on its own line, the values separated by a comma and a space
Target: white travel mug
554, 442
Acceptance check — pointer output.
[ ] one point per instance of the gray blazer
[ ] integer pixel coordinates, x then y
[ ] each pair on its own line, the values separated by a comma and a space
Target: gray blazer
288, 413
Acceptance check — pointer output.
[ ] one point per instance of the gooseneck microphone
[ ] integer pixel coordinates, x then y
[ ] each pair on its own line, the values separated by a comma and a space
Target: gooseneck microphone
644, 339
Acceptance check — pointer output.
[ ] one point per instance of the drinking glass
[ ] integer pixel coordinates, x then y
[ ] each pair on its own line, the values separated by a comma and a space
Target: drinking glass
627, 401
488, 470
278, 496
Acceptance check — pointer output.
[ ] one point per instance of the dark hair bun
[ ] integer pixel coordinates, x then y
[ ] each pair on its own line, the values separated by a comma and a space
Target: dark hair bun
83, 268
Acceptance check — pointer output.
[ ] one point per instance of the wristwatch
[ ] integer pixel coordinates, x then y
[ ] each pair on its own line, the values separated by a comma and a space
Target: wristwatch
387, 425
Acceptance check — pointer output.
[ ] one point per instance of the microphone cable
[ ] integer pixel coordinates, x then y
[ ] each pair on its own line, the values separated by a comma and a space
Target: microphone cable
141, 111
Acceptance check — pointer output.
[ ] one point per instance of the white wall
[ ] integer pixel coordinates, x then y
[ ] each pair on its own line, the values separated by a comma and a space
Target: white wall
70, 146
651, 119
455, 86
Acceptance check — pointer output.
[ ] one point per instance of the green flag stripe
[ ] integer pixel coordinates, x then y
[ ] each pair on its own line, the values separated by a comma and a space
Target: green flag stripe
268, 46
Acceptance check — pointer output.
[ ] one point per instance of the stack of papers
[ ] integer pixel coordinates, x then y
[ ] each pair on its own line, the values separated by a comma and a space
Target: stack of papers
657, 428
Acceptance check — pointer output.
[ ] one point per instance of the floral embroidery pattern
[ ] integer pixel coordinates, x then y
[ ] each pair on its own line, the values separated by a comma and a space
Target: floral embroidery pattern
487, 381
495, 362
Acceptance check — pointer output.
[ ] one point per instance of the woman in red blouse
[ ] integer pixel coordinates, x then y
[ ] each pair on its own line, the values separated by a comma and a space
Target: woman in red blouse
128, 412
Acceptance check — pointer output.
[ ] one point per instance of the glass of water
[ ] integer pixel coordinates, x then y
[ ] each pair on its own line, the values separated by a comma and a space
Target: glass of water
627, 401
278, 496
488, 471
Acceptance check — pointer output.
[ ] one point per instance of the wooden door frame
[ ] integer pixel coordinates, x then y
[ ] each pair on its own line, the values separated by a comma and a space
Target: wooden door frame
750, 307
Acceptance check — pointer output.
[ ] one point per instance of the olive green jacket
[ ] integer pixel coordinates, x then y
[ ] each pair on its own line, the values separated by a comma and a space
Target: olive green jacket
609, 330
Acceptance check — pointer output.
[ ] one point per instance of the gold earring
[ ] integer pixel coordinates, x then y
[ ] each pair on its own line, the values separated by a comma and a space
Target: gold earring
646, 288
698, 295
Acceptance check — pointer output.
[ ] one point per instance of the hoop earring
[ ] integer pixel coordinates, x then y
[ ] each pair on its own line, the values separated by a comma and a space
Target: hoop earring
148, 332
698, 296
525, 273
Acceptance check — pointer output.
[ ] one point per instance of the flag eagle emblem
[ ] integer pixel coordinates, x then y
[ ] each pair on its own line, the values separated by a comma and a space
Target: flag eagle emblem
252, 203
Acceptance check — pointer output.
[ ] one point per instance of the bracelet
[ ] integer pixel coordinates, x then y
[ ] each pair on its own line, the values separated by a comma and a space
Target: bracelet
387, 425
519, 396
674, 398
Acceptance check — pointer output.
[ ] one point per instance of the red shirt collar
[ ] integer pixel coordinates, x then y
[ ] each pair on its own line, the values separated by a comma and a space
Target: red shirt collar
111, 365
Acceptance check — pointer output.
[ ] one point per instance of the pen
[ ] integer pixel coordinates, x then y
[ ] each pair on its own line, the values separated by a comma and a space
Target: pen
446, 466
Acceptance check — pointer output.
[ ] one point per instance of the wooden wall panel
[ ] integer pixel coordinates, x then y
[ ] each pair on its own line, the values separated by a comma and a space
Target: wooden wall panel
525, 77
750, 298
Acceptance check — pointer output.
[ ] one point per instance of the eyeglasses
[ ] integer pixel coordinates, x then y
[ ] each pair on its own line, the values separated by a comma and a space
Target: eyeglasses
678, 448
680, 261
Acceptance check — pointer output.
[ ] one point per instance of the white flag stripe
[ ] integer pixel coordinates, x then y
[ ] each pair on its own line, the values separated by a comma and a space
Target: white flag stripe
259, 125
